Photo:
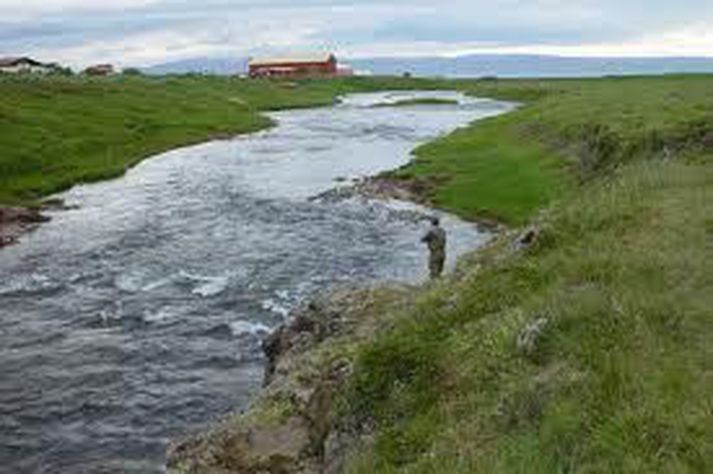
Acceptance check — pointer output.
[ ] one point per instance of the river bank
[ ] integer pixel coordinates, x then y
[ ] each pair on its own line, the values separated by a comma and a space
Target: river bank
298, 423
18, 221
15, 221
91, 129
577, 345
290, 426
136, 118
389, 186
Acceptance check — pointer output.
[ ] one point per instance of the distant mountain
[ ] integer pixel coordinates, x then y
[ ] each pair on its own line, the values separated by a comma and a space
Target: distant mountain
473, 66
531, 66
218, 66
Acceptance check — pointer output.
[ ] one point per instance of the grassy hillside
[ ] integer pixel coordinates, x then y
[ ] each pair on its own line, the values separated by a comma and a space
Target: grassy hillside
57, 131
617, 292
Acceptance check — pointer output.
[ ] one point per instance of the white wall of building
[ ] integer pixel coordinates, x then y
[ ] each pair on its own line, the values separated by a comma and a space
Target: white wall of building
24, 68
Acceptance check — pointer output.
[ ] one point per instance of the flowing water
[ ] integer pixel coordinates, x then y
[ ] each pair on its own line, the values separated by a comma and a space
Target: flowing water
136, 318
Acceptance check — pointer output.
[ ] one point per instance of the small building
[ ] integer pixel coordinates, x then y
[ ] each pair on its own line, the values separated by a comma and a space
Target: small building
99, 70
19, 65
321, 65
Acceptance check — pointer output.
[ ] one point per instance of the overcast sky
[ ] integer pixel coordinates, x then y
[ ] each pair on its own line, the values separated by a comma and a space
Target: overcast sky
146, 32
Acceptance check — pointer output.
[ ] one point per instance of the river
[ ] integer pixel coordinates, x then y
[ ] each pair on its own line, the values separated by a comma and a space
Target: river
136, 318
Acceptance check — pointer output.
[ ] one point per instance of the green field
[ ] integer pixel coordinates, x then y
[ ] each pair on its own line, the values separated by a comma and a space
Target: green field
570, 131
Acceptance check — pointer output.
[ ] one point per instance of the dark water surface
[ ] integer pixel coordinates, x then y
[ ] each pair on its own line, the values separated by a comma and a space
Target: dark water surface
137, 318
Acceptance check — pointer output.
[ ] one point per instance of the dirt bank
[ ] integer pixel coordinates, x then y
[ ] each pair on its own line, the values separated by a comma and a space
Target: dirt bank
382, 187
15, 221
292, 426
389, 185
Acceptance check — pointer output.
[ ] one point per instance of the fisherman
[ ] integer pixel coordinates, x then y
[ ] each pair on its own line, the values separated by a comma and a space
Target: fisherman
435, 238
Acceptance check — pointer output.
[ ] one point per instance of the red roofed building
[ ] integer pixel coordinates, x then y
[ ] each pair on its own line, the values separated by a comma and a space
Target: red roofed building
324, 65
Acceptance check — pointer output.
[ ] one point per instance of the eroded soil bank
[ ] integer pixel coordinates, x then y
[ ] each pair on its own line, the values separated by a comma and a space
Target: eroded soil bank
15, 221
291, 426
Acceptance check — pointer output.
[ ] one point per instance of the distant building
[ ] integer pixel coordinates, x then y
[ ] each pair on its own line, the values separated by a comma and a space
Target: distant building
324, 65
23, 65
100, 70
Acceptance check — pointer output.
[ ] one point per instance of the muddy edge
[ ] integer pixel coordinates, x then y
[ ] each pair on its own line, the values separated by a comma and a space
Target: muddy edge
16, 221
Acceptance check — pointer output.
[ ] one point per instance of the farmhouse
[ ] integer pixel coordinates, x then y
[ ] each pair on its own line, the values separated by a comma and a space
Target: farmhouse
100, 70
320, 65
17, 65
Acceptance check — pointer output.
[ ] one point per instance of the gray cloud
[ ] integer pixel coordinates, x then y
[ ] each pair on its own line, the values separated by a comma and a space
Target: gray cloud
146, 31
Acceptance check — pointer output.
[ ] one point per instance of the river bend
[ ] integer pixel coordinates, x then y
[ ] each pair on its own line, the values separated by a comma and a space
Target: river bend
136, 317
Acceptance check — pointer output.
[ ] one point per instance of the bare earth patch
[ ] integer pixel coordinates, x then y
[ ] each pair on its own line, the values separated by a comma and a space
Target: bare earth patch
15, 221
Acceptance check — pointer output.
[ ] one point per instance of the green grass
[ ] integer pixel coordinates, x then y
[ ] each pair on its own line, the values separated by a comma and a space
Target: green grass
59, 131
486, 171
568, 131
621, 379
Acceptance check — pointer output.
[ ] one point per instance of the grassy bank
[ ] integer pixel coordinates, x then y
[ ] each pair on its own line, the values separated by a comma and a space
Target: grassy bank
619, 375
58, 131
569, 131
620, 379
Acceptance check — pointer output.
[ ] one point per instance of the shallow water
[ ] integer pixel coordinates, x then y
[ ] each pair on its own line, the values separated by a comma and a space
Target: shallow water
137, 317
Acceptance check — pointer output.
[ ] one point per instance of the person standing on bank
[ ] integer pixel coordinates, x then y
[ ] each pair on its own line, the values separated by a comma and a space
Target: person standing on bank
435, 238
